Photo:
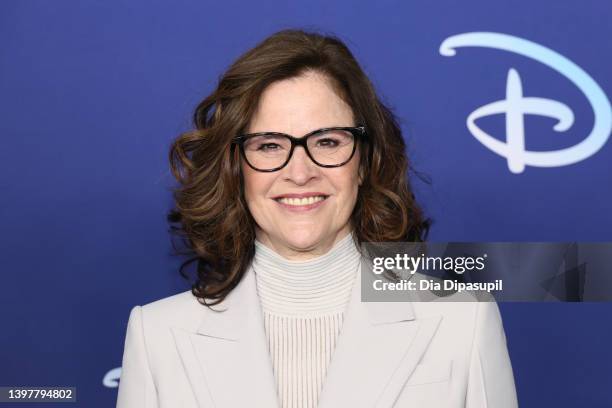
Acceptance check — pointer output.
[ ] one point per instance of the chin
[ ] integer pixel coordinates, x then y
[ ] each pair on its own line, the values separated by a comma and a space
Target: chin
303, 239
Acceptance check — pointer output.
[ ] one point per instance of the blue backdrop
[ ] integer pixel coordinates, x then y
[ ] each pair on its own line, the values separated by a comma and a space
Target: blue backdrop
92, 93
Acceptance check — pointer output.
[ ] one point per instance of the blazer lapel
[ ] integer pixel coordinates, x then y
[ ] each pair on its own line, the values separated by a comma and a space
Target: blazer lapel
378, 348
227, 359
228, 364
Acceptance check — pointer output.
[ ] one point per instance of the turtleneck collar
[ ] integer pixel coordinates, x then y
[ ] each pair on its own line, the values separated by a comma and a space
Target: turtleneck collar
315, 286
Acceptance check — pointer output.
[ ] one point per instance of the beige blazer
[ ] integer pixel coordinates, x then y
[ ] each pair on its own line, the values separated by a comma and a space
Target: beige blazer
180, 354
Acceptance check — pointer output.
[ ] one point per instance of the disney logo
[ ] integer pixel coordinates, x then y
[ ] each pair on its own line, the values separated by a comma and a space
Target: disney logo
516, 106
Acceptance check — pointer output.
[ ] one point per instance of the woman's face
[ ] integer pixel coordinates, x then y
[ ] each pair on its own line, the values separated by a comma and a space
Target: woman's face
297, 106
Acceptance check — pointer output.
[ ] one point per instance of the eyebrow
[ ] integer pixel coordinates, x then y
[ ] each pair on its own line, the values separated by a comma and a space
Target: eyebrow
305, 134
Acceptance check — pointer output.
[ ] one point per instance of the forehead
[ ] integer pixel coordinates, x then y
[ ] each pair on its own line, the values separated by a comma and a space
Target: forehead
299, 105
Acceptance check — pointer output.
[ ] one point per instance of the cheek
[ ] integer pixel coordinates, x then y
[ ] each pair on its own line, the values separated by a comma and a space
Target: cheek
250, 181
256, 186
349, 185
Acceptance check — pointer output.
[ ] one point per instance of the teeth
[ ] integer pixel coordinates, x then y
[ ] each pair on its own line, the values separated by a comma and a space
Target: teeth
301, 201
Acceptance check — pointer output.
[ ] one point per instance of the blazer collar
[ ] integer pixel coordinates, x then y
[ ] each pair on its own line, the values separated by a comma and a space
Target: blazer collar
378, 348
230, 322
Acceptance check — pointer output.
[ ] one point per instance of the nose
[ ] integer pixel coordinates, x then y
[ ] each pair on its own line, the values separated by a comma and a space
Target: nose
300, 168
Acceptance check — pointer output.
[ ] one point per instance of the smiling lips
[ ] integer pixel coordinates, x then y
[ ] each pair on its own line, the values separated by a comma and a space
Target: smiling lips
301, 202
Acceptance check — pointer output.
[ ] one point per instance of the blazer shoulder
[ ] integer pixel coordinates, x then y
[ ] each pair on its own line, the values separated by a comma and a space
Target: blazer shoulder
179, 310
171, 302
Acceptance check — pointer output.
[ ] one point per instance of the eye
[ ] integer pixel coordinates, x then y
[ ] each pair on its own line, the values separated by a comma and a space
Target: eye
266, 147
327, 142
267, 144
331, 140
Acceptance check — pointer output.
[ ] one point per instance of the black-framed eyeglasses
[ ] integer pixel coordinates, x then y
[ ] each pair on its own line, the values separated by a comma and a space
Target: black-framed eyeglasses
326, 147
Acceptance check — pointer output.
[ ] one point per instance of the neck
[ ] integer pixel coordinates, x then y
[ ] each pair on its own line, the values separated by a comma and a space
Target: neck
314, 286
295, 253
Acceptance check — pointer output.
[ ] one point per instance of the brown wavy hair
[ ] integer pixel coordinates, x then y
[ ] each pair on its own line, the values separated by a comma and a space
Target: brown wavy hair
211, 216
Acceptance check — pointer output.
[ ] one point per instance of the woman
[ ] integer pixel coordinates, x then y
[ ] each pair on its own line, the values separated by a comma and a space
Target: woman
293, 164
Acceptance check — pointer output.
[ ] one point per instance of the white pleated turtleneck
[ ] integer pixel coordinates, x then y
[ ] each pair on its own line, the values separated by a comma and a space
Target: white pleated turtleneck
303, 304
